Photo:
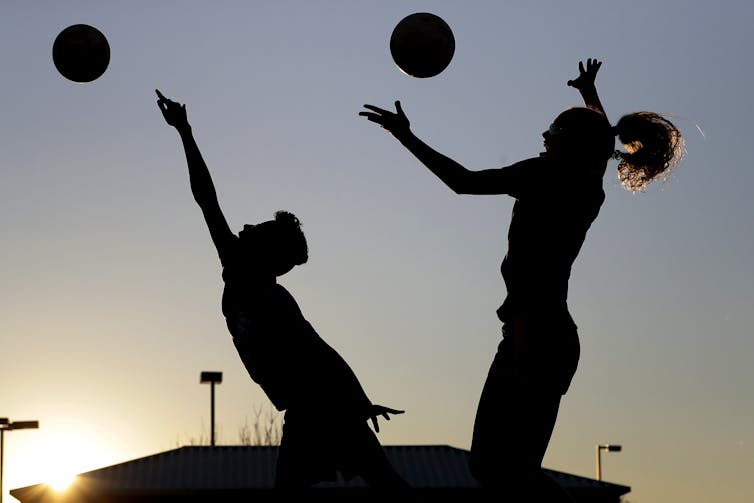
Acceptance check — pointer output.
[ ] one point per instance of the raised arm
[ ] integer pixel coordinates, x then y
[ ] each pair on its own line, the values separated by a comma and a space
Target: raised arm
459, 179
202, 186
585, 83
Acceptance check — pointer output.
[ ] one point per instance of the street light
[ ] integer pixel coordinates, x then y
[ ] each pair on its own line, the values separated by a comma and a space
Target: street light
608, 448
211, 378
8, 425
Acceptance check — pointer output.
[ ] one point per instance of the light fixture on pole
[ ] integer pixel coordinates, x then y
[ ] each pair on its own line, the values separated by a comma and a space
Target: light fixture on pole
8, 425
608, 448
212, 378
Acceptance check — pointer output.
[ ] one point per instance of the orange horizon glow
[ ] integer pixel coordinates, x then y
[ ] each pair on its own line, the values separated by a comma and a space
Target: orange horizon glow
55, 455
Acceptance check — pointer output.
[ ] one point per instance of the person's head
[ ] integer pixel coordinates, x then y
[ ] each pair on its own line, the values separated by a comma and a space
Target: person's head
276, 245
581, 134
654, 146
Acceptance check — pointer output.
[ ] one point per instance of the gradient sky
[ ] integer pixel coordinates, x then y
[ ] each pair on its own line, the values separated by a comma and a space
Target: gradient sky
110, 293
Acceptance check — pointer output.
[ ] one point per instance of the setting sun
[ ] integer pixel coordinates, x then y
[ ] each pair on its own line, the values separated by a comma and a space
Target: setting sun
56, 454
60, 481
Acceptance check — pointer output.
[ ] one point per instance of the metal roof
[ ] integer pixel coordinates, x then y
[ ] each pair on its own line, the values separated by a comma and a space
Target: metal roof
202, 468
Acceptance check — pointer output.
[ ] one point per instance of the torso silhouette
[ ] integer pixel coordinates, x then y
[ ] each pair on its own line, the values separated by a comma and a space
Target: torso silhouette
279, 348
551, 216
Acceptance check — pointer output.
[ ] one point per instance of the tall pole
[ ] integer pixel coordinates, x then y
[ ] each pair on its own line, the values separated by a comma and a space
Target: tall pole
2, 446
608, 448
599, 462
212, 406
210, 378
8, 425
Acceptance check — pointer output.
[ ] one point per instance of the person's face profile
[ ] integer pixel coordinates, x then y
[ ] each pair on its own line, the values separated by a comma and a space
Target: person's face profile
554, 138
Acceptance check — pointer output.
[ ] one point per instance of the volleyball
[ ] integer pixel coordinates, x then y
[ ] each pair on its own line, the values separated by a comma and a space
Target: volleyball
422, 45
81, 53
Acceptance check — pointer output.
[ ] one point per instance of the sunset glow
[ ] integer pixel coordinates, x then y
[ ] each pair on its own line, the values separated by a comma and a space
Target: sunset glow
55, 457
111, 297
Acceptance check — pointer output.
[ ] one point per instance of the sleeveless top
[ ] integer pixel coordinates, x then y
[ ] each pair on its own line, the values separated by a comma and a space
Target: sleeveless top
551, 215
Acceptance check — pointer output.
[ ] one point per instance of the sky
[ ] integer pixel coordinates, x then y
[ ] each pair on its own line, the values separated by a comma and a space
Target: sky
110, 291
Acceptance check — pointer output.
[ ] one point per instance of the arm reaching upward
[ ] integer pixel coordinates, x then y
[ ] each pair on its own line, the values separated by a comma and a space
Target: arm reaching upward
585, 83
459, 179
202, 186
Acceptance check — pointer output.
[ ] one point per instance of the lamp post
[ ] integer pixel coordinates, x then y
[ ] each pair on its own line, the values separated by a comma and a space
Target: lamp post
608, 448
212, 378
8, 425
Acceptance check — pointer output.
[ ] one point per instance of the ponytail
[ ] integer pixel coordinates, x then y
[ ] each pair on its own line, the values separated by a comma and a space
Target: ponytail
654, 146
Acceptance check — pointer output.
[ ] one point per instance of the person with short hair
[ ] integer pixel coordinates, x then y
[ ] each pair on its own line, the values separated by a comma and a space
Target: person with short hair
326, 426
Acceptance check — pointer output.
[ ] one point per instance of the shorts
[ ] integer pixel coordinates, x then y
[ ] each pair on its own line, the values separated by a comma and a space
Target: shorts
316, 444
532, 369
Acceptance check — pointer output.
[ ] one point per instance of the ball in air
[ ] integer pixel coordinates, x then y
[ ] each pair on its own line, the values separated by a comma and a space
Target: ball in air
81, 53
422, 45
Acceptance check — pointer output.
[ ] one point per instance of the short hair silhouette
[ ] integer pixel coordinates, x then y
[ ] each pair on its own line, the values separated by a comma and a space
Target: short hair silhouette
280, 243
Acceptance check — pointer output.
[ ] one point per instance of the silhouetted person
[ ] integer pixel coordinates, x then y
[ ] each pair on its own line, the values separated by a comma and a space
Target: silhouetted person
557, 197
327, 412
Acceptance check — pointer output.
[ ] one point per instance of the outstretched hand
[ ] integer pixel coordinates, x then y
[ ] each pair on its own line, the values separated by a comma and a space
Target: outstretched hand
381, 410
396, 123
585, 80
173, 112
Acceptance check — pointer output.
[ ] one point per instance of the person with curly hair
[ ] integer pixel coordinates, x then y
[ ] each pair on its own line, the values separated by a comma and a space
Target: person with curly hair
558, 195
325, 427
